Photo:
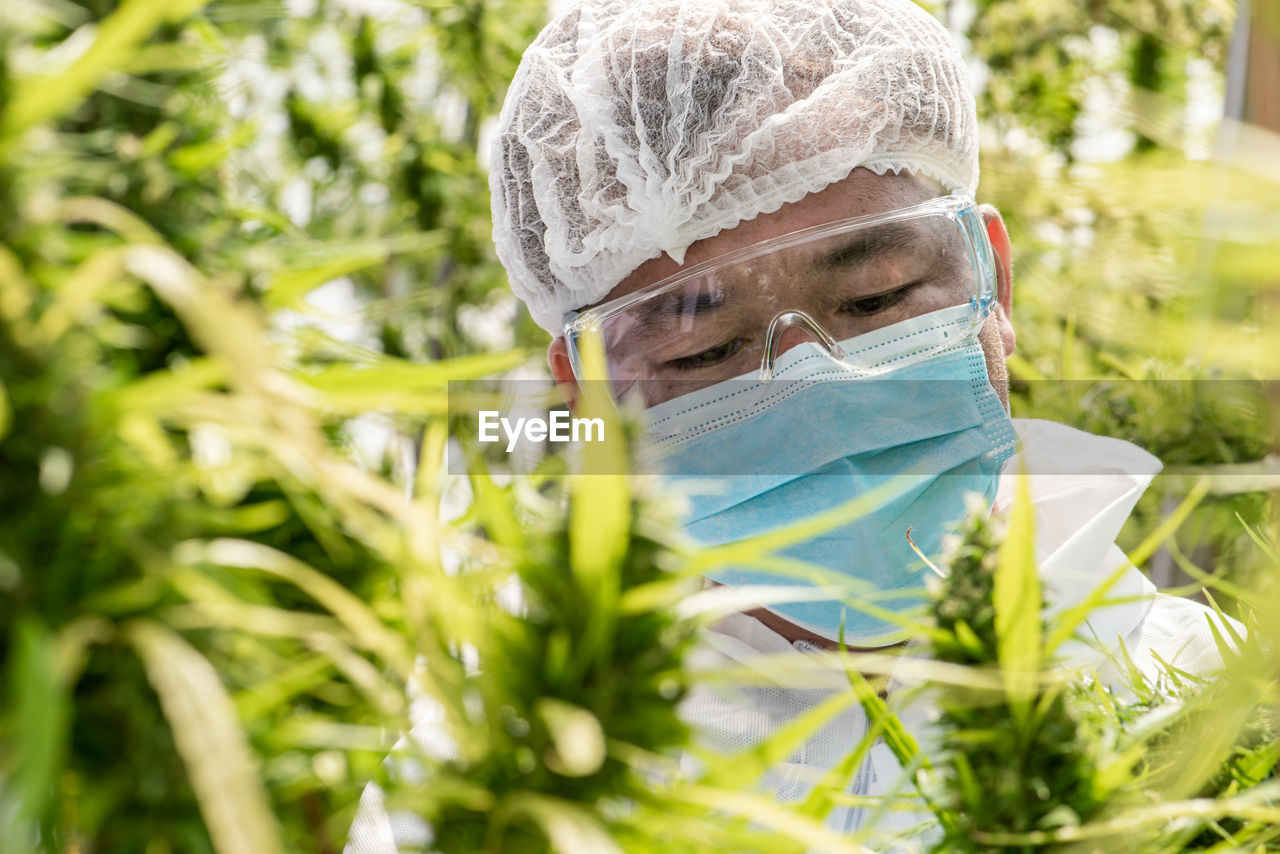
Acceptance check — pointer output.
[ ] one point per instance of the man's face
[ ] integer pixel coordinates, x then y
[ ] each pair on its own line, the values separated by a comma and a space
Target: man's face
862, 193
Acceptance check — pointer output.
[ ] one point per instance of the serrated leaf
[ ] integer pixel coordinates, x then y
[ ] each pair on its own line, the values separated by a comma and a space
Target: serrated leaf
388, 373
1017, 602
220, 766
39, 714
196, 158
600, 500
117, 37
289, 286
354, 613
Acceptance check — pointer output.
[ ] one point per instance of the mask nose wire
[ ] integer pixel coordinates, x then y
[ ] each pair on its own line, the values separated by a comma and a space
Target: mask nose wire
780, 324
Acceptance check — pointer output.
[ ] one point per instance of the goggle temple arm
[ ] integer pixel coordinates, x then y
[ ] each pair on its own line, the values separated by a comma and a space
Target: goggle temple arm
570, 325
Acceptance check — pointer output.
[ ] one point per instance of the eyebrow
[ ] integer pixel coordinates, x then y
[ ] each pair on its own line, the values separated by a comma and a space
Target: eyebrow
865, 246
869, 244
655, 313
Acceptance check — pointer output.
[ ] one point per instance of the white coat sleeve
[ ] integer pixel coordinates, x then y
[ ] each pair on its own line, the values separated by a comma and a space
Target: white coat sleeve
1177, 631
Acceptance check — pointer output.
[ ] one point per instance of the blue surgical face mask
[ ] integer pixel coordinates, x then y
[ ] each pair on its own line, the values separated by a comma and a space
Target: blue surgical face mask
756, 456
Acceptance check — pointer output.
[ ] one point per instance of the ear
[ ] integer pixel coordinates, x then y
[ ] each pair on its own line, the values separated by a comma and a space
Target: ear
562, 370
999, 237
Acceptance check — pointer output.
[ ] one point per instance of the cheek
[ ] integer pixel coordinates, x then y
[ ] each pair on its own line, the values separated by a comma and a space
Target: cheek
993, 349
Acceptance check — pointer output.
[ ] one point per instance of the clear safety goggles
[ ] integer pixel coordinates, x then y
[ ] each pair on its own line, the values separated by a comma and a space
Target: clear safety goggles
734, 315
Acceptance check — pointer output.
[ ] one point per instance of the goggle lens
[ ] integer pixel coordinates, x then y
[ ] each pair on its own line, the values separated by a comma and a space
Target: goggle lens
732, 316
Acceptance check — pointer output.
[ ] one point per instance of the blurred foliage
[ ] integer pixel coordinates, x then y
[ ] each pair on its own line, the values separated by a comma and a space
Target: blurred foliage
1044, 62
245, 248
1145, 244
146, 405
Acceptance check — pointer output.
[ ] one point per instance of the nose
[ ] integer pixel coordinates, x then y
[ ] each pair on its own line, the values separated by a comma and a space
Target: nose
788, 329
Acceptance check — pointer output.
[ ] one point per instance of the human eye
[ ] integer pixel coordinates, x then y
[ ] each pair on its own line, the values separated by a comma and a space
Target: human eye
707, 358
876, 303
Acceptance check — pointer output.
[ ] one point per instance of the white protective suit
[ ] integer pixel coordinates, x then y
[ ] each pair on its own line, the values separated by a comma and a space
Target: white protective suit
1083, 488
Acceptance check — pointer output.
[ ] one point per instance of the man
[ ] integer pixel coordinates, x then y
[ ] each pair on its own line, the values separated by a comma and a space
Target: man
764, 210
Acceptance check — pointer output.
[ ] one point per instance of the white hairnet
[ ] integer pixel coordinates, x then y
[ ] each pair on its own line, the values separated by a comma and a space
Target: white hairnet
636, 127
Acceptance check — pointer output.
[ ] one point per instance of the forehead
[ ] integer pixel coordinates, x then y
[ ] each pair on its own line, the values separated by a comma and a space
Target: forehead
862, 193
